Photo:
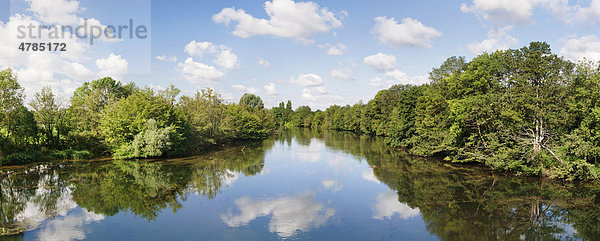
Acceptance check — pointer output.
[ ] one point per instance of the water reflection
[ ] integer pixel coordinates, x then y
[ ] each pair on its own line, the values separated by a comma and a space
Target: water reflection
288, 214
366, 185
333, 185
388, 206
71, 227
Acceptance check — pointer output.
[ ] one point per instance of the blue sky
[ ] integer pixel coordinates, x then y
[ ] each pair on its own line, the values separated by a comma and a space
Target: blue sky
314, 53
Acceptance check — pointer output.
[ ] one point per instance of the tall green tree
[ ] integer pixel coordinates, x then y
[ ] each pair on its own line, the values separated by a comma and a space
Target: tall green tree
11, 99
50, 116
204, 114
252, 101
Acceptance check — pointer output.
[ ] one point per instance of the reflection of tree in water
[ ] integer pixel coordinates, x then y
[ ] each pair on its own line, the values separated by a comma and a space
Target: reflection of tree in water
41, 190
471, 203
143, 188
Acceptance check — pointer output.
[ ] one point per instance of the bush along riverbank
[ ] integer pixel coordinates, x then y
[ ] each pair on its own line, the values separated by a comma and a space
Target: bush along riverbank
525, 111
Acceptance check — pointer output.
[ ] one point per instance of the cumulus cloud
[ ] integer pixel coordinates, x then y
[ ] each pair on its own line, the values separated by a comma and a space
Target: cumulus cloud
571, 14
377, 82
227, 59
270, 89
196, 72
337, 49
224, 55
264, 63
167, 58
113, 65
319, 97
307, 80
503, 11
388, 205
343, 72
61, 12
497, 39
288, 214
199, 49
381, 62
242, 88
579, 48
410, 32
286, 19
388, 66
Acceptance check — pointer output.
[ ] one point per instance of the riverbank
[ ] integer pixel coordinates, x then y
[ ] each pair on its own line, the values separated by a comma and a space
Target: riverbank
309, 184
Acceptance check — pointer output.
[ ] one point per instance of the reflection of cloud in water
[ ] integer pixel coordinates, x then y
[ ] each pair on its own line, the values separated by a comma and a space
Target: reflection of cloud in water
369, 176
310, 153
64, 225
332, 185
340, 163
288, 213
388, 205
229, 178
33, 214
69, 227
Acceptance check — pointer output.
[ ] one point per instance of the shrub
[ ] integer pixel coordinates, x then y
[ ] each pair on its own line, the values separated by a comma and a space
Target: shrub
152, 142
84, 154
23, 158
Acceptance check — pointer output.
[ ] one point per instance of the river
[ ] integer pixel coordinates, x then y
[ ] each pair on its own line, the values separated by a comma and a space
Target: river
298, 185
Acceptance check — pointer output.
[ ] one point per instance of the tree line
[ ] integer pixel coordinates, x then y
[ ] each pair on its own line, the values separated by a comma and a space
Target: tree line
107, 117
526, 111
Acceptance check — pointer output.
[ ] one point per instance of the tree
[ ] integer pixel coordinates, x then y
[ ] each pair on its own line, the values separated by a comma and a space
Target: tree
302, 116
204, 114
89, 101
11, 99
252, 101
121, 122
50, 116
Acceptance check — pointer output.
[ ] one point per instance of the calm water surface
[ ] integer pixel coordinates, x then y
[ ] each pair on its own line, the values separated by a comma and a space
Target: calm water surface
300, 185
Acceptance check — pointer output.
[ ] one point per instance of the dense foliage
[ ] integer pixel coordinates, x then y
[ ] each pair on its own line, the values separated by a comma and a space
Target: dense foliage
105, 116
525, 111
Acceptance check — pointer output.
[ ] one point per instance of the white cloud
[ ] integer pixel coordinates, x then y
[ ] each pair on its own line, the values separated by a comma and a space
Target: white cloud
576, 13
333, 185
287, 19
270, 89
113, 65
167, 58
504, 11
227, 59
224, 56
199, 49
61, 12
388, 205
410, 32
377, 82
245, 89
196, 72
337, 49
497, 39
343, 73
386, 64
307, 80
264, 63
318, 97
288, 214
578, 48
381, 62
